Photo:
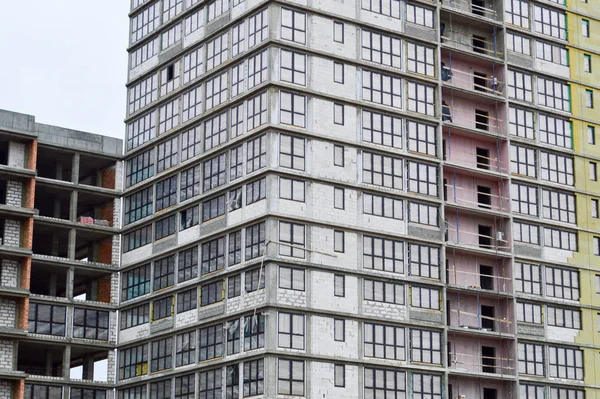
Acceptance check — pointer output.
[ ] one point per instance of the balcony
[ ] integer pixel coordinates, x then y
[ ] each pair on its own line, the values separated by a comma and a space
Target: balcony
483, 357
477, 388
471, 37
477, 233
483, 315
478, 77
484, 275
477, 10
478, 194
484, 116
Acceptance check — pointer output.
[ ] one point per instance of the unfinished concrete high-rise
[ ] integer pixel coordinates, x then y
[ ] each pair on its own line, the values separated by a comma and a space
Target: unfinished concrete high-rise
361, 199
60, 211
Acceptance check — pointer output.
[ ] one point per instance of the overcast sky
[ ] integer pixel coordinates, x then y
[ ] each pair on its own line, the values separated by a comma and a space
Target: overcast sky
65, 62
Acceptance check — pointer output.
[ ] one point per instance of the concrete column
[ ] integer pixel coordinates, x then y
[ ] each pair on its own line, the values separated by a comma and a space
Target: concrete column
55, 244
70, 282
53, 280
48, 363
59, 170
88, 368
73, 206
56, 212
67, 362
72, 244
75, 168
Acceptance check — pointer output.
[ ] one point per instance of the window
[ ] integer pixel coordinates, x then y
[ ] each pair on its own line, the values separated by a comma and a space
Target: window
524, 199
254, 377
585, 28
190, 217
595, 208
256, 154
426, 347
135, 282
162, 355
188, 265
254, 280
593, 171
523, 161
338, 115
427, 386
557, 168
164, 227
338, 32
381, 170
589, 98
255, 240
234, 286
291, 189
560, 239
421, 98
532, 391
235, 248
520, 86
143, 93
237, 80
291, 278
257, 111
190, 183
556, 392
422, 178
558, 206
565, 363
420, 59
254, 332
531, 359
339, 375
293, 109
211, 342
424, 261
381, 129
211, 293
553, 94
216, 8
257, 69
381, 89
552, 53
164, 273
421, 138
550, 22
139, 205
136, 392
133, 362
381, 49
291, 331
217, 90
338, 198
338, 72
293, 25
187, 300
383, 254
426, 298
562, 283
237, 121
587, 63
233, 336
214, 172
562, 317
90, 324
293, 67
521, 123
423, 214
380, 291
139, 168
292, 239
185, 352
47, 319
528, 278
144, 53
238, 37
339, 242
137, 238
166, 193
256, 191
135, 316
192, 65
211, 382
258, 28
81, 393
145, 22
529, 313
382, 206
526, 233
339, 330
168, 116
555, 131
192, 104
339, 285
591, 130
390, 8
384, 342
517, 13
384, 383
160, 389
217, 52
141, 130
517, 43
419, 15
162, 308
213, 255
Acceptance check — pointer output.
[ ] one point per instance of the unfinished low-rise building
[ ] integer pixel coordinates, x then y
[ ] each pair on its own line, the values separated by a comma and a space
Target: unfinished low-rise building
59, 250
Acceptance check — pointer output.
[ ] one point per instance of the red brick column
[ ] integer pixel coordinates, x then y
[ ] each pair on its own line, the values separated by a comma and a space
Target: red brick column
19, 389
